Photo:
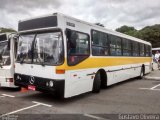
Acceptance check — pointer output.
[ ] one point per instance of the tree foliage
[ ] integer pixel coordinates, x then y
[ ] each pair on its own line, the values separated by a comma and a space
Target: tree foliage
125, 29
149, 33
3, 30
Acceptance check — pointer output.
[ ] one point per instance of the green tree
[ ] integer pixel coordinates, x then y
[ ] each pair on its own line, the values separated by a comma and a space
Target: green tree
151, 34
3, 30
127, 30
148, 33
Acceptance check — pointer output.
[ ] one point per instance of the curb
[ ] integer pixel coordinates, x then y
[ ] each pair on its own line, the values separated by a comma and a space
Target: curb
151, 78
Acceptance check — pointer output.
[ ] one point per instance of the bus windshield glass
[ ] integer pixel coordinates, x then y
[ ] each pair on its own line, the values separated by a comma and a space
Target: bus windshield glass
41, 48
4, 54
25, 48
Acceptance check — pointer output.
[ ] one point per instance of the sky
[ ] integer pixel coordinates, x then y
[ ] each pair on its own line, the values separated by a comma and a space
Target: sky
111, 13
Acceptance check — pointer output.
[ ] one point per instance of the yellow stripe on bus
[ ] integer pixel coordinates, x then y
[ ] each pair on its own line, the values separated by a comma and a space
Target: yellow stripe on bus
104, 62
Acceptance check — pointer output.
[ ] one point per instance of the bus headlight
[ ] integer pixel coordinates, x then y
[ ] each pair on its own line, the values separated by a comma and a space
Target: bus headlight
51, 84
47, 84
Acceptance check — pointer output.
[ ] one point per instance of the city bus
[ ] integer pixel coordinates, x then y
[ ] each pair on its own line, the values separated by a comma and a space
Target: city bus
7, 58
66, 56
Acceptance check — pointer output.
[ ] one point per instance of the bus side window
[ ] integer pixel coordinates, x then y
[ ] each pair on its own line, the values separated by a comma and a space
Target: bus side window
100, 43
115, 45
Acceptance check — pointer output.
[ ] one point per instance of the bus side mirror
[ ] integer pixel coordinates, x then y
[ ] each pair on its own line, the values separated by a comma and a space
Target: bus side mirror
9, 43
0, 56
16, 36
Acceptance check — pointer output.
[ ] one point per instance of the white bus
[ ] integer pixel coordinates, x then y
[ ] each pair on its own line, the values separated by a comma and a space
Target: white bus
67, 56
7, 58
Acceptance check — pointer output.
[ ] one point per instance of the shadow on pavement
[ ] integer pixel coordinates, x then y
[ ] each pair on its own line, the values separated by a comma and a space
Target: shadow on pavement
6, 89
52, 99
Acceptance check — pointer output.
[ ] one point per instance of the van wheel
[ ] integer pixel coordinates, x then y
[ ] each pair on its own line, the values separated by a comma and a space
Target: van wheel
97, 83
141, 73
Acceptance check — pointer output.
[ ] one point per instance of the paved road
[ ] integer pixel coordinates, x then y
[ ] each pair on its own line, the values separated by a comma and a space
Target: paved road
132, 96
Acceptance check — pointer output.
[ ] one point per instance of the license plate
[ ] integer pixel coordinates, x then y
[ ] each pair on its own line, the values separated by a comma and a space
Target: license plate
30, 87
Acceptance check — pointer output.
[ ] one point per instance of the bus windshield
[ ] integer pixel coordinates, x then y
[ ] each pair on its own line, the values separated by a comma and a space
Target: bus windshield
25, 47
41, 48
4, 54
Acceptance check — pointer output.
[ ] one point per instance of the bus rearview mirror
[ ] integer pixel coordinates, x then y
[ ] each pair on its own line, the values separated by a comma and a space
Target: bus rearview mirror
8, 46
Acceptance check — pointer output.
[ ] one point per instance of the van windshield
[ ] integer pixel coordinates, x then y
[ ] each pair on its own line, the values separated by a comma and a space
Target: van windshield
41, 48
4, 54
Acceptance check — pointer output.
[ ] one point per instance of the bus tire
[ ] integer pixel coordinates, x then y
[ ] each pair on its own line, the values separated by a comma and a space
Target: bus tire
97, 83
103, 78
141, 73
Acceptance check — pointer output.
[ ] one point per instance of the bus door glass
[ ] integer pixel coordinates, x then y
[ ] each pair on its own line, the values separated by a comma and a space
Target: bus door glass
77, 47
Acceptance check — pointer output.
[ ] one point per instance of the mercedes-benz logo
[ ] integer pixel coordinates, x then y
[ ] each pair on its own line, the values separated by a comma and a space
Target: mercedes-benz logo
31, 80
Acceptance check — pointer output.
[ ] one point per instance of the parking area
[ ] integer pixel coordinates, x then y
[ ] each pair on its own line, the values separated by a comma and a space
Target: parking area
129, 97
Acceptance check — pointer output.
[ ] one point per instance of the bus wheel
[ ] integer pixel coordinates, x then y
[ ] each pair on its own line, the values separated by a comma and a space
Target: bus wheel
97, 83
141, 73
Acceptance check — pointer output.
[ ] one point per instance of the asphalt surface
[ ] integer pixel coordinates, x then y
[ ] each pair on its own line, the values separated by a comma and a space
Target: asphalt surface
133, 96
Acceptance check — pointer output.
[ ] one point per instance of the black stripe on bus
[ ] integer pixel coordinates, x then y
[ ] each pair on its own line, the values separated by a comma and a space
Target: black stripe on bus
122, 69
91, 74
117, 70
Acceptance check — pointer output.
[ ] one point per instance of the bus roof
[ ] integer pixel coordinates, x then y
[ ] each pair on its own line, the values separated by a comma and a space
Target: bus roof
103, 29
156, 48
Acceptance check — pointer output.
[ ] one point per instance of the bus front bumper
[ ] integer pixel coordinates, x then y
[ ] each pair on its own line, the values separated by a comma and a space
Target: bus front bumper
40, 84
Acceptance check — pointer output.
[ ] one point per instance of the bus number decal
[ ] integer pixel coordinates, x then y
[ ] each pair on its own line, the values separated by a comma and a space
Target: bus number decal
70, 24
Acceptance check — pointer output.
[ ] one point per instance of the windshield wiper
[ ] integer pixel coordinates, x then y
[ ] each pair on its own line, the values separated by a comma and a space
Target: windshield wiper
22, 60
22, 57
41, 62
